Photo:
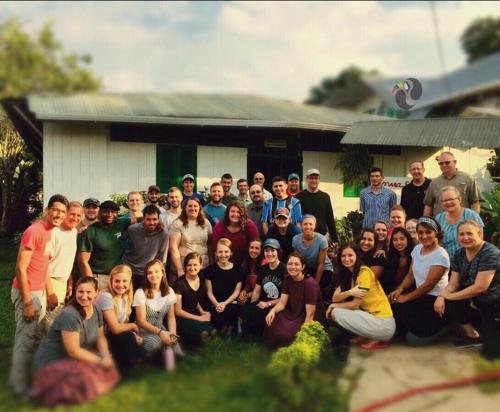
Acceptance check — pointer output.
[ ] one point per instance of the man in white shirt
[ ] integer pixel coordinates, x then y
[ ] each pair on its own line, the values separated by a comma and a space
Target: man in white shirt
259, 179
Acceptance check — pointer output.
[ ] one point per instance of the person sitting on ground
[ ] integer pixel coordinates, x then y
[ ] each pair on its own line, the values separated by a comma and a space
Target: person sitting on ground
73, 363
300, 302
368, 315
411, 227
116, 306
313, 247
153, 305
250, 266
398, 259
368, 253
474, 286
381, 229
238, 228
267, 291
413, 300
223, 281
453, 214
283, 231
193, 321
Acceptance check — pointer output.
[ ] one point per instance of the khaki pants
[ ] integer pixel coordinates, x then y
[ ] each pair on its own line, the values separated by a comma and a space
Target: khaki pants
60, 286
26, 339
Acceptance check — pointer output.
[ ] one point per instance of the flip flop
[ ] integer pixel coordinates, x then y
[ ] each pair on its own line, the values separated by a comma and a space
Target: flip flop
374, 345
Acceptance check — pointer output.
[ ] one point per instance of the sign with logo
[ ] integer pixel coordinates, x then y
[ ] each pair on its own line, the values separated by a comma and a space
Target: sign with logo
396, 184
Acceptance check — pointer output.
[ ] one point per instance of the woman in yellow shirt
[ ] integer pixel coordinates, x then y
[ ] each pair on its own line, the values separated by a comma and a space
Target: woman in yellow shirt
359, 304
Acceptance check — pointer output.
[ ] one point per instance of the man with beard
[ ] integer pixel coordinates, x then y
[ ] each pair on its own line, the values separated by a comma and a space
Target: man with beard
174, 198
255, 208
146, 241
293, 184
283, 231
90, 212
227, 181
215, 209
100, 247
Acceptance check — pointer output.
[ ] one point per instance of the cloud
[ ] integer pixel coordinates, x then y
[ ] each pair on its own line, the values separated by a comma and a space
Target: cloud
277, 49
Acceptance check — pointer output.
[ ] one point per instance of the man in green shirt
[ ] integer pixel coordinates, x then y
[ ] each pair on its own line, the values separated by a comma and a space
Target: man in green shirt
100, 247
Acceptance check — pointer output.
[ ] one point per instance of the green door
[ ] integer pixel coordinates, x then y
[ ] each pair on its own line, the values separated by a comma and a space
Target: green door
173, 162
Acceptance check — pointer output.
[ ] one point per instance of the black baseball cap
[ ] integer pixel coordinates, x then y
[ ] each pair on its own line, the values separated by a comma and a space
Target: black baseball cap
91, 201
109, 204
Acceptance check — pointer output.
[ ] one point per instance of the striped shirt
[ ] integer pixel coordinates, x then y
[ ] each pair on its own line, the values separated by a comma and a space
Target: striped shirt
376, 206
450, 239
293, 206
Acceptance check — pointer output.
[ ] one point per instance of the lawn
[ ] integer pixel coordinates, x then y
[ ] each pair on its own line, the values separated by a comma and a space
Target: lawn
223, 376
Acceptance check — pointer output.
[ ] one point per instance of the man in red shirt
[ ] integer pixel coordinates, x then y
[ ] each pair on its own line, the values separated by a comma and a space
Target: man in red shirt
28, 291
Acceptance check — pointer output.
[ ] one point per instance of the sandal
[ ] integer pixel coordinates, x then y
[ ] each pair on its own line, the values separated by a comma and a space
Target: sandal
373, 345
358, 340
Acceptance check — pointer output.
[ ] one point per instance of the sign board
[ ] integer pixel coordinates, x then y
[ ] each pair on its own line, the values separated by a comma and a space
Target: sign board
394, 183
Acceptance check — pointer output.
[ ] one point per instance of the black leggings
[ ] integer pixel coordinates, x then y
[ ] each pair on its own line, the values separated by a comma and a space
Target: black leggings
125, 349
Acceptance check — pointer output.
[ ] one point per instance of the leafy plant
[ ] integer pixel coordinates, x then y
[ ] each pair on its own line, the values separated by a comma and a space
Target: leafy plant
493, 210
349, 227
354, 164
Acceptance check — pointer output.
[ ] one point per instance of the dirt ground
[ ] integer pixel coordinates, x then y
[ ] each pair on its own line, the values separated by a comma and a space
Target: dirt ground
400, 368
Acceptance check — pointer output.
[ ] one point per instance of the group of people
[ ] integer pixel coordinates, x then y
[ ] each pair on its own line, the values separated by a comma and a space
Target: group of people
95, 292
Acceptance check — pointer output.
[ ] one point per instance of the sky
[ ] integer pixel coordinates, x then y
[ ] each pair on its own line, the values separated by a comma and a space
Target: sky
274, 49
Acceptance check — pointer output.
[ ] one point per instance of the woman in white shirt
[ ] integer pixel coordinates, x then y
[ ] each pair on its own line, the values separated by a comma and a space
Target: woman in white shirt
413, 300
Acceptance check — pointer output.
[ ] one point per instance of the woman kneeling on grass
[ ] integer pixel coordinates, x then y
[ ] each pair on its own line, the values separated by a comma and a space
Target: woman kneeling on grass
223, 281
116, 305
193, 320
73, 363
300, 302
152, 304
368, 315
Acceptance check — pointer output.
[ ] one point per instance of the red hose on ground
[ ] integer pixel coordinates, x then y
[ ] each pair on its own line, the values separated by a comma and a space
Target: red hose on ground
482, 377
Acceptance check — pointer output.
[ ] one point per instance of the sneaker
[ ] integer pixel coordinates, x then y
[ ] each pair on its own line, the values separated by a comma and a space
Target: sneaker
464, 342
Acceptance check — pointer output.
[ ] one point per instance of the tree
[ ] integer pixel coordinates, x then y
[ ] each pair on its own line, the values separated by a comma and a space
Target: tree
346, 90
481, 38
31, 64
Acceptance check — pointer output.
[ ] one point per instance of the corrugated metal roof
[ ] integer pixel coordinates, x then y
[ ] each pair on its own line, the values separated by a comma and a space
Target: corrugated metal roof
191, 109
483, 74
453, 132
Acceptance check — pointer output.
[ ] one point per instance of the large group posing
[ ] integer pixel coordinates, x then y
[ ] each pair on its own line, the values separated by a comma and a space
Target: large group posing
96, 292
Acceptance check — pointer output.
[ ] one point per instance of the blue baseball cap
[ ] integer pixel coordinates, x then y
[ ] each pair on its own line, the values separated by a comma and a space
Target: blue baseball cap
272, 243
293, 176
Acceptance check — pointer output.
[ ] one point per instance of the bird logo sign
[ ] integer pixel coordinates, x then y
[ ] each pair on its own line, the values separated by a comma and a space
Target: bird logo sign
407, 93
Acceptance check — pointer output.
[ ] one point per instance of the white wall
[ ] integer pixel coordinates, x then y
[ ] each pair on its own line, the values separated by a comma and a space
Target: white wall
214, 161
472, 161
80, 161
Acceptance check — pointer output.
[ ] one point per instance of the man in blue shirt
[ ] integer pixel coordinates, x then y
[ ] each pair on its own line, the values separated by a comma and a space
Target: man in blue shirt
375, 201
215, 210
188, 190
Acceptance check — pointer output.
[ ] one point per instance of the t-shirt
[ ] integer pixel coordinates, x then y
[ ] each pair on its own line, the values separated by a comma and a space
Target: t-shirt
319, 205
422, 263
310, 252
62, 252
190, 297
52, 348
157, 302
300, 294
255, 214
375, 301
144, 246
224, 281
412, 199
194, 238
240, 240
450, 236
466, 185
272, 205
285, 240
488, 258
195, 195
104, 302
105, 244
168, 218
36, 238
214, 213
271, 281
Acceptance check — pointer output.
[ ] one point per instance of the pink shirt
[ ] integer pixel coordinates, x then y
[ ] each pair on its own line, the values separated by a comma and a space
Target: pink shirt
240, 239
36, 238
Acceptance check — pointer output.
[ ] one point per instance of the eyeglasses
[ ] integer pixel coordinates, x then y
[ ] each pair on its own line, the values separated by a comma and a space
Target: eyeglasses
447, 162
255, 193
449, 200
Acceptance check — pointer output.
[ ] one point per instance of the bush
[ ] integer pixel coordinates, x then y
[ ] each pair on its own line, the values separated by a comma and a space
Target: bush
349, 227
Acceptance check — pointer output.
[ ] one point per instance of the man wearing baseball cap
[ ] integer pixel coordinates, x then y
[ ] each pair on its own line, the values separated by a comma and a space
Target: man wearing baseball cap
293, 184
90, 212
100, 247
188, 190
317, 203
283, 231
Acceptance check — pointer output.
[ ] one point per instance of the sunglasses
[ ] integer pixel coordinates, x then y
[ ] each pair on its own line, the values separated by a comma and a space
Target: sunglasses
447, 162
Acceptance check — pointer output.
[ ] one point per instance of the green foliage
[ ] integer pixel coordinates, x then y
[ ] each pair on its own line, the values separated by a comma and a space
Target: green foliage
119, 198
346, 90
481, 38
349, 227
354, 163
493, 209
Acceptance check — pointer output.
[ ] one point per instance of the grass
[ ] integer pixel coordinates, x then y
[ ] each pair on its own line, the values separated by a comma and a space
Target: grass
223, 376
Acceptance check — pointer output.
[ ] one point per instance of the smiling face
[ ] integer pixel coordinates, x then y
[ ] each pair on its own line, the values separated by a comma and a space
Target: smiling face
85, 294
469, 236
312, 182
417, 171
73, 217
56, 214
108, 216
399, 242
192, 209
226, 184
188, 186
426, 236
348, 258
381, 231
450, 201
259, 179
234, 215
153, 196
447, 164
91, 212
193, 267
243, 188
271, 254
367, 241
411, 227
223, 253
376, 179
308, 226
282, 222
256, 194
294, 267
254, 249
154, 275
216, 194
397, 218
120, 283
174, 198
294, 185
134, 202
150, 222
279, 189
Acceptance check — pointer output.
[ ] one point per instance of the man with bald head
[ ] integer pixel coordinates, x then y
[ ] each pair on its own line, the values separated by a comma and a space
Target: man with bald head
451, 176
259, 179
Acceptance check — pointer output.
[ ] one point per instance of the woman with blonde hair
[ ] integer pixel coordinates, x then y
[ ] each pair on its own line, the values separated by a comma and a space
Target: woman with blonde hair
116, 305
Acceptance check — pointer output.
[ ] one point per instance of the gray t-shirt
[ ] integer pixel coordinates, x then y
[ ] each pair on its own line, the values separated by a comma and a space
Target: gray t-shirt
51, 348
310, 252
